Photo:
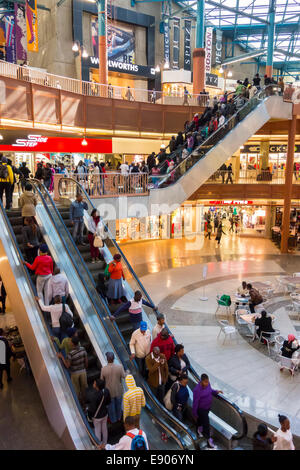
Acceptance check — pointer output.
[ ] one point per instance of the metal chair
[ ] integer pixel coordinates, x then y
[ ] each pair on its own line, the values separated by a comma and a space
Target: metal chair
270, 339
227, 329
286, 363
222, 304
278, 345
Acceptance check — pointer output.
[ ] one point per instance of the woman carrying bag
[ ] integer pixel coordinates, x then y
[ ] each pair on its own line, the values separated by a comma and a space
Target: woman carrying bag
95, 235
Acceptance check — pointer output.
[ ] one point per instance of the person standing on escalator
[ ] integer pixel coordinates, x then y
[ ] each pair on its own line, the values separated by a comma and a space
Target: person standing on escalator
95, 232
43, 268
134, 306
2, 296
115, 289
77, 209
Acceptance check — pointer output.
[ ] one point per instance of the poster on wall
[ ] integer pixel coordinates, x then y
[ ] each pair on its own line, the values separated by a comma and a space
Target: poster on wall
120, 41
208, 49
10, 43
20, 32
187, 44
32, 26
219, 36
166, 42
2, 39
176, 42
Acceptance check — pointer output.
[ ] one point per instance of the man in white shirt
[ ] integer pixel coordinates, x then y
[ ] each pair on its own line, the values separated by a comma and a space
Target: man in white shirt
159, 325
56, 311
126, 441
221, 120
124, 169
139, 345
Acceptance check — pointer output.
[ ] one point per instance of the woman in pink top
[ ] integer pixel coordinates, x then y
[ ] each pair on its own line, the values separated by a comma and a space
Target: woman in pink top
43, 268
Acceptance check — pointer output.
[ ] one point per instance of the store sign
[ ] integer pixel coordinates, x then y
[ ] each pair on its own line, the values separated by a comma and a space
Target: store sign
208, 49
132, 69
176, 42
272, 149
211, 79
230, 203
42, 144
219, 36
166, 42
187, 44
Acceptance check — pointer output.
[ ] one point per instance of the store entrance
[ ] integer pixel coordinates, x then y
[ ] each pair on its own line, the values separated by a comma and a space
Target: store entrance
243, 220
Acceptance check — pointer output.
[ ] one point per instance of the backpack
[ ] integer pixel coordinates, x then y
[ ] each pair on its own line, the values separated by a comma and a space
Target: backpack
3, 171
138, 442
65, 320
226, 299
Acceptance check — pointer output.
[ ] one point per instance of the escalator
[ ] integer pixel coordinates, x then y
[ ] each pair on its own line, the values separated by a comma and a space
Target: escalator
225, 410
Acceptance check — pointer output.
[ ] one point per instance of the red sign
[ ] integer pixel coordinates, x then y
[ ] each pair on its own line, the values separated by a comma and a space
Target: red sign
230, 203
39, 143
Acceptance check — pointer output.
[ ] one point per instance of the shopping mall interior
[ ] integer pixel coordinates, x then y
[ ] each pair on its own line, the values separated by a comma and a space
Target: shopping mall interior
150, 225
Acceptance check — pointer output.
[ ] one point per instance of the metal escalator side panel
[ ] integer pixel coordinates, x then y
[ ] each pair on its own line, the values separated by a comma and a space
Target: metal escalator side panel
57, 399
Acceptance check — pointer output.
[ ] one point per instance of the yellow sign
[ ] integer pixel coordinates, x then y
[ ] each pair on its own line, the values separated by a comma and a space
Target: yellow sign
32, 26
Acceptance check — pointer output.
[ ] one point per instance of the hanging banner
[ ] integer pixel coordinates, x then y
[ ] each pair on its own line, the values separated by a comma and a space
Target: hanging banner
20, 32
2, 39
219, 36
208, 49
166, 42
10, 42
32, 26
176, 42
187, 45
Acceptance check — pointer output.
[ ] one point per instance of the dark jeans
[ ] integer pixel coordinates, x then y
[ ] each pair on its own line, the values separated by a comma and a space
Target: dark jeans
11, 193
5, 187
78, 230
203, 420
229, 178
179, 411
31, 253
5, 367
141, 365
251, 306
159, 392
58, 333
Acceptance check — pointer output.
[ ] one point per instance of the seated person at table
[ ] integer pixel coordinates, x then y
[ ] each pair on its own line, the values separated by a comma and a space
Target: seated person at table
264, 324
255, 297
242, 290
289, 346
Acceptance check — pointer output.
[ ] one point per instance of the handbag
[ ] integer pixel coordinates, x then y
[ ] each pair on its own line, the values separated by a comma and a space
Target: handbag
98, 243
90, 420
167, 398
106, 271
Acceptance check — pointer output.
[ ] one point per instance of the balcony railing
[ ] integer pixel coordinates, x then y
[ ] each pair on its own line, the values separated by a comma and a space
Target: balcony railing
39, 77
251, 176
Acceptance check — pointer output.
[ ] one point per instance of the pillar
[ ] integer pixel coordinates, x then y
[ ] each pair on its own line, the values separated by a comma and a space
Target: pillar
288, 187
264, 154
268, 220
102, 9
271, 33
199, 51
236, 163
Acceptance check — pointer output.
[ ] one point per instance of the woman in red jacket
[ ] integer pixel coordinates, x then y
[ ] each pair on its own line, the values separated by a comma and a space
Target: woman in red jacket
43, 268
115, 288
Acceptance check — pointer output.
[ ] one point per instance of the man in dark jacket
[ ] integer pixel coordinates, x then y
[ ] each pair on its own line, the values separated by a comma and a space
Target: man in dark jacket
264, 324
158, 373
255, 297
260, 440
2, 296
179, 397
24, 174
5, 355
229, 174
172, 144
151, 161
223, 169
98, 411
178, 363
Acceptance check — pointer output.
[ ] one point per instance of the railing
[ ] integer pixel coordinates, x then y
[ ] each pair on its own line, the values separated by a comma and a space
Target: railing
108, 184
251, 176
33, 75
200, 152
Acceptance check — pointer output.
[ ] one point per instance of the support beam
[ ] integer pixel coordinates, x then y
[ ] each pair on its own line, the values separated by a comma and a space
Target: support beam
102, 10
234, 10
199, 51
271, 33
288, 187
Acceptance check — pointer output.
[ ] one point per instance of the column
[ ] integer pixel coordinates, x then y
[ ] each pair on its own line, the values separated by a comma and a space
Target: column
288, 187
236, 162
199, 51
268, 220
102, 10
264, 154
271, 33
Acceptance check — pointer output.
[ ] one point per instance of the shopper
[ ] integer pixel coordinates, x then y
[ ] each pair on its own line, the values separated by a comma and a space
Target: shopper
66, 344
39, 174
157, 366
139, 346
24, 174
179, 397
98, 403
159, 325
58, 285
289, 347
134, 306
77, 362
202, 400
178, 364
220, 232
95, 233
115, 290
256, 81
260, 440
229, 174
32, 238
264, 325
47, 176
56, 310
129, 95
209, 230
134, 439
151, 161
284, 435
28, 202
113, 374
2, 296
6, 181
43, 268
186, 96
133, 401
255, 297
5, 356
165, 343
77, 209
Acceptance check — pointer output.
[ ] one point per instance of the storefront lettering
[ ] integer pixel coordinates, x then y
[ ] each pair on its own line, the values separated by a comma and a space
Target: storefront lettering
32, 141
230, 203
135, 69
208, 48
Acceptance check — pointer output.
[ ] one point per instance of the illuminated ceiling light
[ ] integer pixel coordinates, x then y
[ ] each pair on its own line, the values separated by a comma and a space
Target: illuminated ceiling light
221, 70
157, 68
75, 47
84, 54
166, 65
84, 142
1, 137
229, 74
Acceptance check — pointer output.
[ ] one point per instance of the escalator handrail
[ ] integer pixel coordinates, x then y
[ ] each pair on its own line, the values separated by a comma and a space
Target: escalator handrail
32, 288
145, 385
191, 369
186, 160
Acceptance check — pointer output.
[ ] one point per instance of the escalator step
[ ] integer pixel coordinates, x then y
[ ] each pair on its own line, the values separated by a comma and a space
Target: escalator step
93, 374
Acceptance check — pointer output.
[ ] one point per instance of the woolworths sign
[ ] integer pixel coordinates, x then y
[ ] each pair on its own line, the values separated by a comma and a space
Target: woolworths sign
123, 67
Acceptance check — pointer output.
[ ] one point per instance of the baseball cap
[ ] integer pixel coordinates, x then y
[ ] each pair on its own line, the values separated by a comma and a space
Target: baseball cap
143, 326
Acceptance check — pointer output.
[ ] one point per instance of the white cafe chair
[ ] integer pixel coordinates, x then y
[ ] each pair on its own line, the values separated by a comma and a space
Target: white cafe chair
286, 363
227, 329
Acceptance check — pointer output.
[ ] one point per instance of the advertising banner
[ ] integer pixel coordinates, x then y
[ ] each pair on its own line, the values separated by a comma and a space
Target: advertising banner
187, 44
20, 32
10, 42
120, 41
176, 42
208, 49
166, 42
32, 26
211, 79
219, 35
2, 39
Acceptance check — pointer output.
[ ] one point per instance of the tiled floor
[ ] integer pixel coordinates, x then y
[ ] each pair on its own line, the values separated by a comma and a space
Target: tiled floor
172, 274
